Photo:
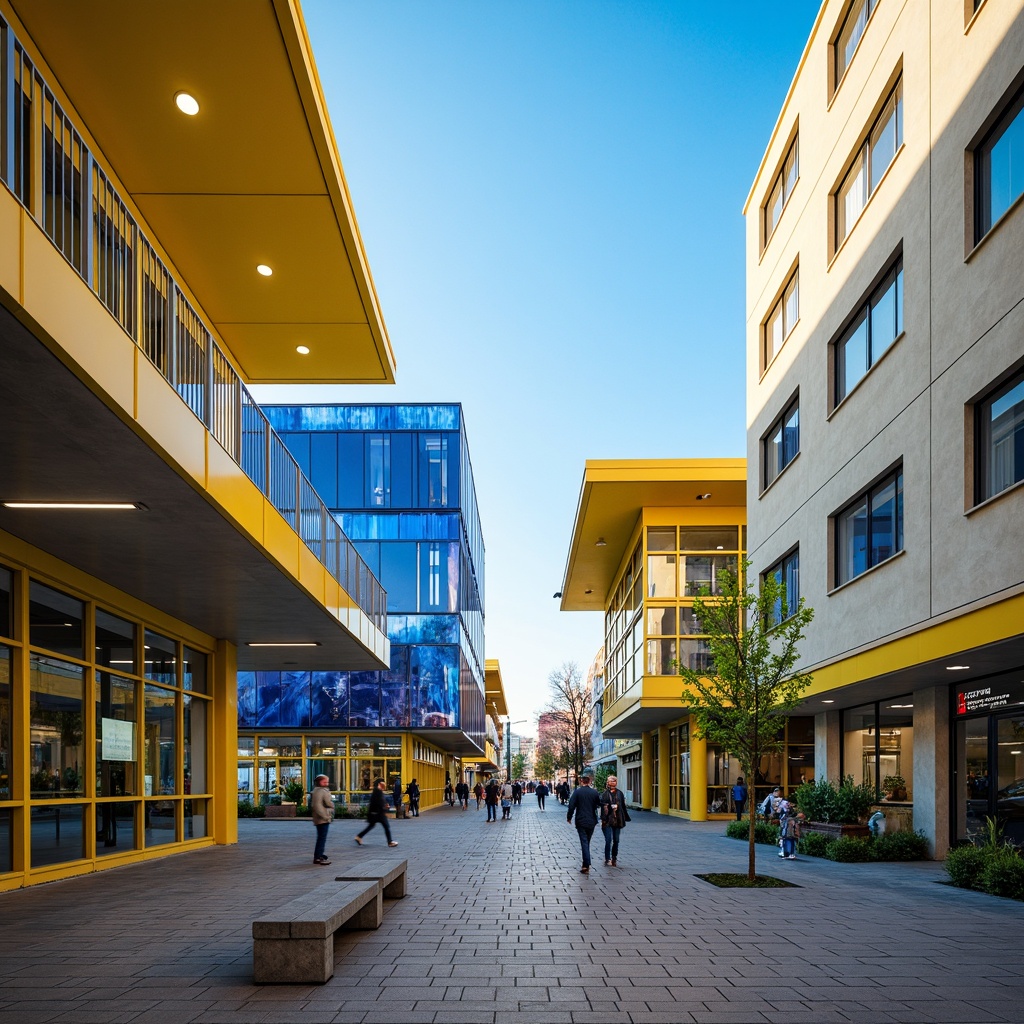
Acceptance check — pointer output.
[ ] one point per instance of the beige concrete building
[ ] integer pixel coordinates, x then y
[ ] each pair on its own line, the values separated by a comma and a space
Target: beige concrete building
885, 385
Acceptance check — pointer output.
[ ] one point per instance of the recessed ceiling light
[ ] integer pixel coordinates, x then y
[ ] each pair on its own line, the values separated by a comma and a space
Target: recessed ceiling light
303, 350
263, 270
75, 506
901, 705
703, 497
828, 702
957, 668
587, 591
186, 103
600, 543
284, 643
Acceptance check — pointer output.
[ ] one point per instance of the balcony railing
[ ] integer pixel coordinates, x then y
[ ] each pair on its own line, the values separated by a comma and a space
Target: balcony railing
47, 166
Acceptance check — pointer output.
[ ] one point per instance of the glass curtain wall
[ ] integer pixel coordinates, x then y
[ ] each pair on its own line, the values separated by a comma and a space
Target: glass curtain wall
878, 744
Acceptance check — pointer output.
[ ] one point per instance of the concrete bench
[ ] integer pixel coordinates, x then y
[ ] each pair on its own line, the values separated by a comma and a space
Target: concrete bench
295, 943
390, 874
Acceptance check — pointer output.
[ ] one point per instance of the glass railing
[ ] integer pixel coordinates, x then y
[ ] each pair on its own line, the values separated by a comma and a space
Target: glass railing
47, 166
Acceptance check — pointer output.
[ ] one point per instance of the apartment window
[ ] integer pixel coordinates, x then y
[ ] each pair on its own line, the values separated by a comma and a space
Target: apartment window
786, 571
999, 433
871, 162
875, 326
851, 30
781, 443
999, 168
870, 529
782, 318
781, 190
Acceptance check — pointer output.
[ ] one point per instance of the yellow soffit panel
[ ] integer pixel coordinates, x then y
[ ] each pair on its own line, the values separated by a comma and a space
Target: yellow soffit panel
253, 178
613, 496
495, 689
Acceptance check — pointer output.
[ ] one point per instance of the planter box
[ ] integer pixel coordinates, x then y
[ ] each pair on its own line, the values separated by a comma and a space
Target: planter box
828, 828
279, 811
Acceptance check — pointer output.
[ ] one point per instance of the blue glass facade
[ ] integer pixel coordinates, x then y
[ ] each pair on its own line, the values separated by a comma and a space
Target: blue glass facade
399, 480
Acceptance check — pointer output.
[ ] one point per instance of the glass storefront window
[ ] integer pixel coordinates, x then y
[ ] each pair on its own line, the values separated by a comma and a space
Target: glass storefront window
161, 659
715, 539
6, 841
115, 642
878, 742
57, 834
160, 824
661, 538
972, 792
246, 780
55, 620
858, 743
6, 602
1010, 778
363, 771
194, 667
115, 828
6, 750
57, 741
661, 575
116, 732
195, 712
161, 740
280, 746
196, 817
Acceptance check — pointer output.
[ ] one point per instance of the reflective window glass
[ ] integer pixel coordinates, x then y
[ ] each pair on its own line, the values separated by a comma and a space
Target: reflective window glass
787, 573
115, 828
708, 539
6, 590
999, 420
160, 745
661, 575
330, 699
160, 822
116, 736
782, 442
6, 841
661, 538
55, 620
661, 621
6, 750
161, 659
115, 642
57, 724
195, 710
194, 666
57, 834
870, 529
999, 168
197, 819
849, 36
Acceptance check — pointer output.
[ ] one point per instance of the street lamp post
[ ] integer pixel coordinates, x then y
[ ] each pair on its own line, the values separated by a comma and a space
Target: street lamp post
508, 742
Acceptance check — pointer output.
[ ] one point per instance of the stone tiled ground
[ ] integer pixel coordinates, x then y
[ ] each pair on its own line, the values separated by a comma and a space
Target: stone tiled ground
500, 927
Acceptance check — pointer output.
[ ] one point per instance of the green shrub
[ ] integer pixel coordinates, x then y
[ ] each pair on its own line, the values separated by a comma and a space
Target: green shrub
900, 846
814, 844
849, 851
817, 800
845, 804
764, 833
293, 791
247, 809
964, 866
1003, 874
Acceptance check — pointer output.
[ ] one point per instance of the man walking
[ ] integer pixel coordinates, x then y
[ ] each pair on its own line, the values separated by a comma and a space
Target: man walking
739, 797
541, 791
613, 820
491, 799
321, 806
376, 814
585, 803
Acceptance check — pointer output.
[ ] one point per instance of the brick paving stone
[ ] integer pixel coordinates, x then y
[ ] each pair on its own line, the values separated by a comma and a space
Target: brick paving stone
498, 927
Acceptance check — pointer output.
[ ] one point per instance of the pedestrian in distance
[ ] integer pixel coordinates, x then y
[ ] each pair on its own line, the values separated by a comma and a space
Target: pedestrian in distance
739, 796
449, 794
321, 806
413, 792
396, 797
462, 792
541, 791
491, 795
789, 829
585, 804
614, 816
506, 801
478, 792
376, 813
517, 793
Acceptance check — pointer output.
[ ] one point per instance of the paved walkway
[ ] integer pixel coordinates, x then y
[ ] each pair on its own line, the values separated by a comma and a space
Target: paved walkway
499, 927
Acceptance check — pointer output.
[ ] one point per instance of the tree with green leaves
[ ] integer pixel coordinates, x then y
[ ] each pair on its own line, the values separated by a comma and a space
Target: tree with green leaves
518, 766
751, 685
544, 762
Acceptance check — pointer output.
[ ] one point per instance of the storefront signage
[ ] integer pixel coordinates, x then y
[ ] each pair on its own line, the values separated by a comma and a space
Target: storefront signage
985, 698
117, 740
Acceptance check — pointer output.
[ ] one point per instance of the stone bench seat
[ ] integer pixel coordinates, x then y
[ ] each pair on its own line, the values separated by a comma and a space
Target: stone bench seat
295, 943
390, 874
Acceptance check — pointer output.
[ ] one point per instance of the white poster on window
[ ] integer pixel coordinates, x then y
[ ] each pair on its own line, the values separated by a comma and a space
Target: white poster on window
117, 739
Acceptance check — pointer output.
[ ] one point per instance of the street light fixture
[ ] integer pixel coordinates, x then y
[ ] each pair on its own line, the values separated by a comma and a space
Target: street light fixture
508, 742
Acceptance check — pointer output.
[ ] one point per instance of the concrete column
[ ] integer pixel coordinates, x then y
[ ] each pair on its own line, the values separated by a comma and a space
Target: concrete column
698, 775
827, 740
663, 769
932, 767
646, 771
224, 762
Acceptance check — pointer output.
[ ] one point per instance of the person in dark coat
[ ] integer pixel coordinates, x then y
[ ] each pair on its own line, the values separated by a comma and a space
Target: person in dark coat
541, 791
413, 791
491, 793
585, 803
376, 813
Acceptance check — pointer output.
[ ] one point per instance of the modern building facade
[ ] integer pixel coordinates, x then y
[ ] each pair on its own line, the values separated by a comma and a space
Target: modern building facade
155, 533
399, 482
649, 535
885, 387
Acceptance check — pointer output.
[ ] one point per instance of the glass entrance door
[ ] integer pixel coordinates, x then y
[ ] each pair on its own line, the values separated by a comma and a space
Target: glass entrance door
1010, 777
972, 778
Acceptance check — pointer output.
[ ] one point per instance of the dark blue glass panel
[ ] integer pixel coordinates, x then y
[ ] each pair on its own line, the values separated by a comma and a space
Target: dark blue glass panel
364, 693
369, 552
298, 445
394, 690
246, 700
282, 700
398, 574
369, 525
323, 467
423, 629
429, 526
434, 682
350, 471
401, 470
439, 577
330, 700
363, 417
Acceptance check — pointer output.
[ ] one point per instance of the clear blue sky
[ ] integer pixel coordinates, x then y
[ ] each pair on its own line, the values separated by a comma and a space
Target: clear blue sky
550, 198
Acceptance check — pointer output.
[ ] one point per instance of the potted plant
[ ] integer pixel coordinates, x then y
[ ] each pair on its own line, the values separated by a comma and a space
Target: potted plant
285, 805
894, 787
835, 810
